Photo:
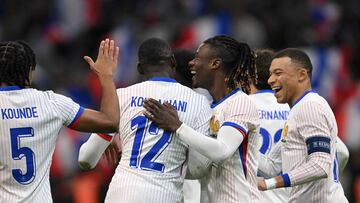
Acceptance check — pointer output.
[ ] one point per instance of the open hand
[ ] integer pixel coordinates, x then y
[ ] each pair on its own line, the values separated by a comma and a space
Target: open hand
164, 115
107, 58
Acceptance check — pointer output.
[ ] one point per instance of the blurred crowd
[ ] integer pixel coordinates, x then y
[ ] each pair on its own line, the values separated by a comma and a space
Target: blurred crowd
63, 31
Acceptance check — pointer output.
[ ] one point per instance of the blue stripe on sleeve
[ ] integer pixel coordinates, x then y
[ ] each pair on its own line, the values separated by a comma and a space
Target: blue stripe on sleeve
77, 116
318, 144
235, 125
286, 179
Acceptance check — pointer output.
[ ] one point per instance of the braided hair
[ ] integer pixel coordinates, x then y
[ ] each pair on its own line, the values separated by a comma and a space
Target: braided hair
238, 59
16, 59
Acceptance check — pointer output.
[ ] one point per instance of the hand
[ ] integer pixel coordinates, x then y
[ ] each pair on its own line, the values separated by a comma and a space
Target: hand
112, 154
107, 59
262, 185
164, 115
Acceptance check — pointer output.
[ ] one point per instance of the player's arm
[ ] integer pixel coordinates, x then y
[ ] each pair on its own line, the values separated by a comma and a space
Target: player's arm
317, 138
342, 153
217, 150
107, 118
198, 165
270, 164
92, 150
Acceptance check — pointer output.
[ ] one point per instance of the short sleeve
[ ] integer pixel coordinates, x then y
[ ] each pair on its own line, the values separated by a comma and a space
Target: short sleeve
67, 109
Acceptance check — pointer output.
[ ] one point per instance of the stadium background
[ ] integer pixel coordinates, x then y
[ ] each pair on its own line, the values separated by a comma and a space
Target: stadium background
62, 31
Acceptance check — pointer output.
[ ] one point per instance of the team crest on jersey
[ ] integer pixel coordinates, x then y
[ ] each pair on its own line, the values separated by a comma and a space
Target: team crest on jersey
214, 126
284, 133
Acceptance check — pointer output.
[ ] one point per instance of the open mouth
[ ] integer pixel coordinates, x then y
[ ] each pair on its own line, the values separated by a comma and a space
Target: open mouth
193, 73
276, 89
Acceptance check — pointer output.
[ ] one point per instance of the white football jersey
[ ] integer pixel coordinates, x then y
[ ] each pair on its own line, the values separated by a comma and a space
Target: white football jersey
272, 119
311, 129
153, 162
30, 123
235, 179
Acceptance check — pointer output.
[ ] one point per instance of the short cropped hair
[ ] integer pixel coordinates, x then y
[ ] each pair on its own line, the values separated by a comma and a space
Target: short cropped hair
263, 62
154, 51
297, 56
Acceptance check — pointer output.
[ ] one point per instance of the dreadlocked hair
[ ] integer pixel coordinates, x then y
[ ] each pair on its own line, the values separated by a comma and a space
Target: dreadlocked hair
238, 59
16, 59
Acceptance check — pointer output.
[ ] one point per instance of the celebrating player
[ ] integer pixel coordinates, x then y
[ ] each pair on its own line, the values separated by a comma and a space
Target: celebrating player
272, 119
152, 166
220, 65
309, 136
31, 119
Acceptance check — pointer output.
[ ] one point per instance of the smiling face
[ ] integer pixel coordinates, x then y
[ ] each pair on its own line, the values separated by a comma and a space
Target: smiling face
284, 80
200, 67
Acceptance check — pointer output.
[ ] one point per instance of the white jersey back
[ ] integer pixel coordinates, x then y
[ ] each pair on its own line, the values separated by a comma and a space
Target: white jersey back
311, 110
30, 123
153, 162
235, 179
272, 119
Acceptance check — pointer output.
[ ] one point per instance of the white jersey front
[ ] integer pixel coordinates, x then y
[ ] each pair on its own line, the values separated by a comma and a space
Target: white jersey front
272, 119
311, 129
30, 123
153, 162
235, 179
192, 188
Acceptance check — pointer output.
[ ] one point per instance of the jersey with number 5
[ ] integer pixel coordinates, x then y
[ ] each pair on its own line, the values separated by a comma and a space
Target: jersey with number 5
30, 123
153, 161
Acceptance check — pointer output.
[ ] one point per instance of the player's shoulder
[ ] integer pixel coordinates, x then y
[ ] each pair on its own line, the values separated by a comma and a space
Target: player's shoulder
241, 98
41, 94
311, 104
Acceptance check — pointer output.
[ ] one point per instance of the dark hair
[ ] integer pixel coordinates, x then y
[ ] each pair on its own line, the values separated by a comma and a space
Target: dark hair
183, 74
16, 59
263, 61
154, 51
238, 58
297, 56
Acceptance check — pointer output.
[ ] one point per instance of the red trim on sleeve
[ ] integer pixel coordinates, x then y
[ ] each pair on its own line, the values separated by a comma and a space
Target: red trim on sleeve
105, 136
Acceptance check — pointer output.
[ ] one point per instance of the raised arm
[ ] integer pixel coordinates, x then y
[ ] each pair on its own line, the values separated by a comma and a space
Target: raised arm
107, 118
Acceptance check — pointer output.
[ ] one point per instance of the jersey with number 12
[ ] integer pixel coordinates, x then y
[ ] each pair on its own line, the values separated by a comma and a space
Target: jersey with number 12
153, 161
30, 123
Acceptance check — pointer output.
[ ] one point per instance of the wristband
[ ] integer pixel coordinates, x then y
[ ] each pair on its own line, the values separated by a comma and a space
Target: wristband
270, 183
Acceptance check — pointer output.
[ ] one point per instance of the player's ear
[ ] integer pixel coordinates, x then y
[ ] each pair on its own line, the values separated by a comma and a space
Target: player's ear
215, 63
302, 74
140, 68
173, 61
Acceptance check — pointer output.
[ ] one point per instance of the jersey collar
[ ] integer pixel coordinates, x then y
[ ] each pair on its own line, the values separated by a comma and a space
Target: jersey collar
213, 105
162, 79
298, 100
265, 91
10, 88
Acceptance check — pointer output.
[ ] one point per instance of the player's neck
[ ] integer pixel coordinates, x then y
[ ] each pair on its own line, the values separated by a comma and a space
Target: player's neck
157, 74
300, 93
2, 84
219, 90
